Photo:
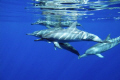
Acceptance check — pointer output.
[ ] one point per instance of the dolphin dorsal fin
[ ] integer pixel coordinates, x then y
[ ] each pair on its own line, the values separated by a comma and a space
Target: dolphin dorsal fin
107, 38
73, 25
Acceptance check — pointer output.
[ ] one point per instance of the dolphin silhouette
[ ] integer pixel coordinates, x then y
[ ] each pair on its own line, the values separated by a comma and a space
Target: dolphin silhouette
101, 47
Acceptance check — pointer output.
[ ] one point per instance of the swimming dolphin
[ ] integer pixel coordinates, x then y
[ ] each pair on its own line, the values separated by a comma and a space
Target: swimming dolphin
66, 46
44, 22
101, 47
71, 34
53, 23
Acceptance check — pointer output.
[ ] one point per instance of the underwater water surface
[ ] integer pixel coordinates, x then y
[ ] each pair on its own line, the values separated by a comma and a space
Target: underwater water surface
23, 59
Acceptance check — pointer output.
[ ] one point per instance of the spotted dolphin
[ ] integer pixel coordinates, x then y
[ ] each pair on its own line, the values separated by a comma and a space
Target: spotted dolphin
71, 34
101, 47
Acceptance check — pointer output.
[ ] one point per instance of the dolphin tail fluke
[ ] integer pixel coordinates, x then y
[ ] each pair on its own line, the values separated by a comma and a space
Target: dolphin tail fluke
99, 55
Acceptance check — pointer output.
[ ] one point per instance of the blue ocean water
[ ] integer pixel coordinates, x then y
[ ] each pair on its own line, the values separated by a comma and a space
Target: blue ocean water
23, 59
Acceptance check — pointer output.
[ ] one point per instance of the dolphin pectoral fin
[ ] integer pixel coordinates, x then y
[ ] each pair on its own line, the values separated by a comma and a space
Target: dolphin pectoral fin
38, 39
56, 44
99, 55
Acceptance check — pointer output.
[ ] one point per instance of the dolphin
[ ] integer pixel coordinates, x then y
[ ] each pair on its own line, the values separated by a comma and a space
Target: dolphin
66, 46
53, 23
71, 34
45, 22
101, 47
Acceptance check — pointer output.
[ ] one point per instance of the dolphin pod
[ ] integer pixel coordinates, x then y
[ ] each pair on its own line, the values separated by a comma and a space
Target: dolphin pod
60, 38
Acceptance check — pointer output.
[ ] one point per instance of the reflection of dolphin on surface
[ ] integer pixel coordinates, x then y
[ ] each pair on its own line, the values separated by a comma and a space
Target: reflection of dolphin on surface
66, 46
48, 24
101, 47
71, 34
